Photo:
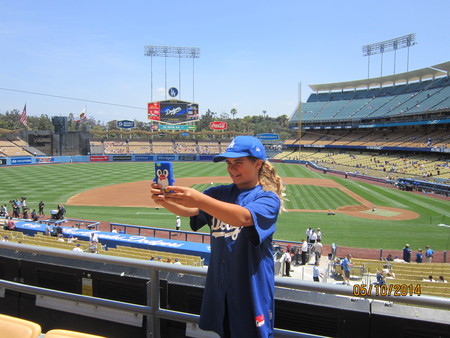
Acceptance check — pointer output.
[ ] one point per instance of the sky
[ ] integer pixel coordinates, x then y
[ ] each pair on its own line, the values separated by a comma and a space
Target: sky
60, 57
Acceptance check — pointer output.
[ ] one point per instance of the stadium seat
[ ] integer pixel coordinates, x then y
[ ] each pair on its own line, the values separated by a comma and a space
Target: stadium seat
12, 327
58, 333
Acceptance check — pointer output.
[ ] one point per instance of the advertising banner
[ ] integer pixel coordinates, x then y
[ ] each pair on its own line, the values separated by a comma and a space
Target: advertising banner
268, 136
187, 157
21, 160
45, 159
218, 125
121, 158
165, 158
153, 111
104, 158
125, 124
173, 111
143, 158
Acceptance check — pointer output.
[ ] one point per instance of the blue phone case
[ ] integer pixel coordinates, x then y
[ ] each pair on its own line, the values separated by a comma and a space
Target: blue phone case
164, 174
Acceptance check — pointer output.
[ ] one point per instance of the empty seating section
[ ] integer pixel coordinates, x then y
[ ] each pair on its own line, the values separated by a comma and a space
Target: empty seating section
412, 98
155, 147
115, 147
351, 108
209, 147
418, 275
185, 147
138, 147
374, 164
11, 149
48, 241
163, 147
96, 148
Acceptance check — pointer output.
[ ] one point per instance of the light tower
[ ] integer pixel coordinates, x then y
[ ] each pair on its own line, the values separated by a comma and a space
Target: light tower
170, 51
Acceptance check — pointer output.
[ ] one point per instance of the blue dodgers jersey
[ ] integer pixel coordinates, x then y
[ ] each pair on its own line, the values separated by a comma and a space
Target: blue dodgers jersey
241, 269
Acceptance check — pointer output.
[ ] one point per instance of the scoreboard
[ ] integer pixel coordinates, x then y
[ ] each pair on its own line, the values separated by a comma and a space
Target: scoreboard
172, 111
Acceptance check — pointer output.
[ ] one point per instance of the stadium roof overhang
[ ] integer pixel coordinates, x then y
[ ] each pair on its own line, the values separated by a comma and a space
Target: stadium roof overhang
429, 73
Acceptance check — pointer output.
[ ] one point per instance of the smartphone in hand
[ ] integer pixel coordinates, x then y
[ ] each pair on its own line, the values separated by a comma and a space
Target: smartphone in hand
164, 174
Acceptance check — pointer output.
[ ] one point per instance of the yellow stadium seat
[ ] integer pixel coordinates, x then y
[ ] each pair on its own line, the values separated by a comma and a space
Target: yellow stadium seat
58, 333
12, 327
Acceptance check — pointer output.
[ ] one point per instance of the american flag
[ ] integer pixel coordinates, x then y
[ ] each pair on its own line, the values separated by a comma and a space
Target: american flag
82, 115
23, 116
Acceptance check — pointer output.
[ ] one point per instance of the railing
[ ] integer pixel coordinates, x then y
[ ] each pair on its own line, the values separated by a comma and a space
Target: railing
170, 232
154, 313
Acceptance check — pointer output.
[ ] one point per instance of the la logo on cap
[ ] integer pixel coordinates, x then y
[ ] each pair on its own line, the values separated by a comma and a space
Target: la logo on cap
231, 145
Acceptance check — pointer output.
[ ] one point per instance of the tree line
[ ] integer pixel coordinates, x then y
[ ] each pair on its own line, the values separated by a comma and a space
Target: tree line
256, 124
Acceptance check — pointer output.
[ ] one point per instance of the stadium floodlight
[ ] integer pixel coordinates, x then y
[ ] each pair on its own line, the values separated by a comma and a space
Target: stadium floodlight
172, 51
405, 41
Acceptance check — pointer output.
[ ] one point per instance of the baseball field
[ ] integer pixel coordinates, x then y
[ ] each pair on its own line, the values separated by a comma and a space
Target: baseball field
365, 215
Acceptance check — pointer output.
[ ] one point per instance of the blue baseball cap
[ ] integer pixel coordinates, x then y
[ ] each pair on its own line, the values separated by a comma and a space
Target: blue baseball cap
242, 146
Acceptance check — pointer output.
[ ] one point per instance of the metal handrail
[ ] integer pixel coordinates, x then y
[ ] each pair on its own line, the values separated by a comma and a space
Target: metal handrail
154, 312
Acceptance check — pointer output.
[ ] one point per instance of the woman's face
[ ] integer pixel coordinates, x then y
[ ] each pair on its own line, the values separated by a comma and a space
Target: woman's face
244, 171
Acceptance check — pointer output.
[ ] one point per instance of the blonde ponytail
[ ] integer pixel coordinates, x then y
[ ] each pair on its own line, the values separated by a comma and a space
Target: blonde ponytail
270, 181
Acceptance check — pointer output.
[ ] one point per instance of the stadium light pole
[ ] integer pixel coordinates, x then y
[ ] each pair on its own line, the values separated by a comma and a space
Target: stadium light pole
170, 51
405, 41
299, 117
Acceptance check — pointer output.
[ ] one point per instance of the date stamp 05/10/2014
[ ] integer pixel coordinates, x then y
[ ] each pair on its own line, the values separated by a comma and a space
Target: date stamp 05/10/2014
396, 290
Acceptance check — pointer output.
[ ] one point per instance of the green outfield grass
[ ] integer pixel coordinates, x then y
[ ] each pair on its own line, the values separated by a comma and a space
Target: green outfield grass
57, 183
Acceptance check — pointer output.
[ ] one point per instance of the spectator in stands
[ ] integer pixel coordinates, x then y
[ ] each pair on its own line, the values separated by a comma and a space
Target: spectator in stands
4, 211
93, 238
389, 258
429, 279
77, 248
317, 250
177, 261
287, 258
48, 230
380, 278
387, 273
442, 279
16, 210
316, 272
428, 254
25, 213
114, 231
407, 253
319, 234
61, 212
57, 230
5, 239
34, 216
24, 206
11, 224
308, 233
304, 252
152, 258
313, 237
419, 256
346, 264
239, 294
60, 238
41, 208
